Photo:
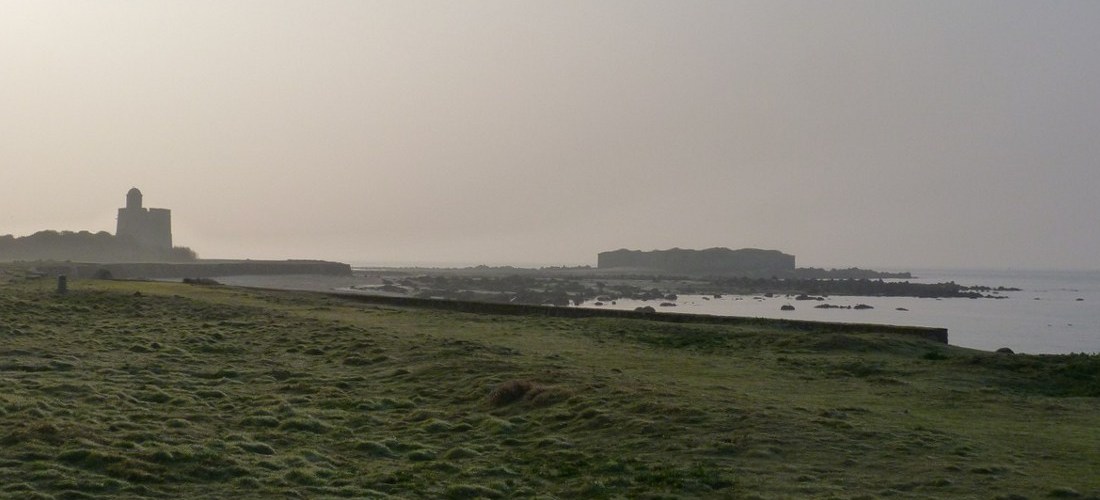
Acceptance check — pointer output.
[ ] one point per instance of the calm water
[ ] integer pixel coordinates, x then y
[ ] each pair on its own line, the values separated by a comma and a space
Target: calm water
1045, 317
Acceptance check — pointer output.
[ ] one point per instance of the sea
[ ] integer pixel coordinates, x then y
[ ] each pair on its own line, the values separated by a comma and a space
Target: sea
1055, 312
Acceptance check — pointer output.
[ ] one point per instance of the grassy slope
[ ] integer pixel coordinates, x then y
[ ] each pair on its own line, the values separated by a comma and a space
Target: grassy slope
153, 389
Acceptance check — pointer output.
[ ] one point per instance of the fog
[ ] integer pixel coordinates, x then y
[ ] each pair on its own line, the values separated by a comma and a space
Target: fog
848, 133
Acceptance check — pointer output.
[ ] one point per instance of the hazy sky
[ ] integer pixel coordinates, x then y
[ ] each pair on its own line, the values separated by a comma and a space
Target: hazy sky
869, 133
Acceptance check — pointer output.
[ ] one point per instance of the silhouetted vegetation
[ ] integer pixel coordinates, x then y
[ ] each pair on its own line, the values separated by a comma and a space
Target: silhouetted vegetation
87, 247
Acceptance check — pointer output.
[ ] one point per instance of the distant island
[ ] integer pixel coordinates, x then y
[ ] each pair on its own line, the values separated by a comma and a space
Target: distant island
724, 262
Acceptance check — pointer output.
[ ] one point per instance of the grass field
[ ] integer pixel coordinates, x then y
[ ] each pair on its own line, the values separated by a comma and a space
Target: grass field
141, 389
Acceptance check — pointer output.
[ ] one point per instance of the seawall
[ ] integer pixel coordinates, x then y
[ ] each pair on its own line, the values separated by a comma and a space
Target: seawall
200, 269
934, 334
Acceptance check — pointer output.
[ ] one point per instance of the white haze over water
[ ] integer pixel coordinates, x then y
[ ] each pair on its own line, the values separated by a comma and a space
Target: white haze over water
1056, 323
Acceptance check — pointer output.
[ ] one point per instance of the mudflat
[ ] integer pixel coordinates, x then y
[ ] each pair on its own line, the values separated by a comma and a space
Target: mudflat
147, 389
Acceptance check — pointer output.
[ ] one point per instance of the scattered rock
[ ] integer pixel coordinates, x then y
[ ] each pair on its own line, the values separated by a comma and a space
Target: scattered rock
645, 309
862, 306
786, 307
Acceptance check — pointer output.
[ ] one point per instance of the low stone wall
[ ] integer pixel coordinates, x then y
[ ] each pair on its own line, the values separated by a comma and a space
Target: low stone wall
163, 270
935, 334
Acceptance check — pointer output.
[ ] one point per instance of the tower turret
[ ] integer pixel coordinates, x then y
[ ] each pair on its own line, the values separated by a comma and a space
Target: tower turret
133, 198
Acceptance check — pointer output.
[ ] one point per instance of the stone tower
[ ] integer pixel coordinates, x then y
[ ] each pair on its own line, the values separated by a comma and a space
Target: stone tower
149, 227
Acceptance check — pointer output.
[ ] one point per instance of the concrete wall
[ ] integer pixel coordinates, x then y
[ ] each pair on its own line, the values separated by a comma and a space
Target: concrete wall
934, 334
155, 270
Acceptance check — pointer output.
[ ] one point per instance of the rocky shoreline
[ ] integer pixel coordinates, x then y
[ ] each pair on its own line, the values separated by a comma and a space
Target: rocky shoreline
560, 289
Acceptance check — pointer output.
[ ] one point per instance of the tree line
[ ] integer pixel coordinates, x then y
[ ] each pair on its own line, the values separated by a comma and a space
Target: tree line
85, 246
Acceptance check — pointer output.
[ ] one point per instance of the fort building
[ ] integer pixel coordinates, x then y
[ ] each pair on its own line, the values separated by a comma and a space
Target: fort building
148, 227
709, 262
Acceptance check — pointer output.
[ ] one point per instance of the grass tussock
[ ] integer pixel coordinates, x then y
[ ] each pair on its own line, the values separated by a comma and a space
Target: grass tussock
513, 390
536, 394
